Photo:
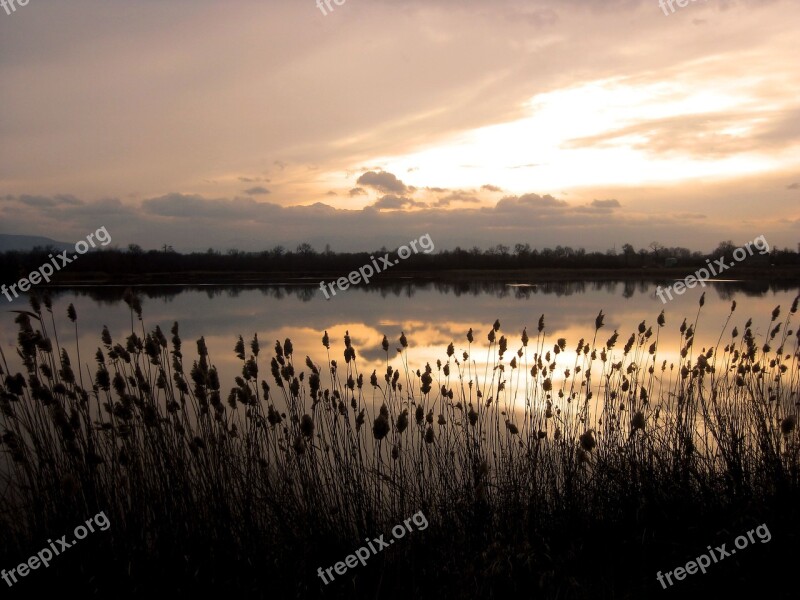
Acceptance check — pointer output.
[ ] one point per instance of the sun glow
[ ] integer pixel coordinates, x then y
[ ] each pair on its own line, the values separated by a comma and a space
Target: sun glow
602, 133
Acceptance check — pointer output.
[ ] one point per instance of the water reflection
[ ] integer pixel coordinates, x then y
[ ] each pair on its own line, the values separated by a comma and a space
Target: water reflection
110, 294
431, 313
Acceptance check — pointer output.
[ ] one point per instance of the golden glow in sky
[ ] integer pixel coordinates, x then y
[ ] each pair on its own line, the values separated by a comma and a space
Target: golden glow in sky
240, 124
544, 150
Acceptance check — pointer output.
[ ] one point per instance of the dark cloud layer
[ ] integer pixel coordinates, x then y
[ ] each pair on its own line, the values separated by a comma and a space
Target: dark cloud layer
49, 202
392, 202
194, 222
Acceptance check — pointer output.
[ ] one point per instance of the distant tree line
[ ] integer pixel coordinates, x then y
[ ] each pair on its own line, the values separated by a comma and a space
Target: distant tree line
305, 259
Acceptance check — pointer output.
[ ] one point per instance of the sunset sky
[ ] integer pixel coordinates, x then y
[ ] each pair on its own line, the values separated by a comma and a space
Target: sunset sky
252, 123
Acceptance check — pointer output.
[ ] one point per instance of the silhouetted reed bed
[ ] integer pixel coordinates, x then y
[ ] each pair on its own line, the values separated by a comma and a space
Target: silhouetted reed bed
566, 469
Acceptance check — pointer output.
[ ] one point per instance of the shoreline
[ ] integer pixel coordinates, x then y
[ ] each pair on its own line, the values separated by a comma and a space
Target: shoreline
517, 276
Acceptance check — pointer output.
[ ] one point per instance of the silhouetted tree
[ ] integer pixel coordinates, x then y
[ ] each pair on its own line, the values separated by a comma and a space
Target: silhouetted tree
305, 249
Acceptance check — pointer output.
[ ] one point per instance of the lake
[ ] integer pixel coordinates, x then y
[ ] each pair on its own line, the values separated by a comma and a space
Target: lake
431, 314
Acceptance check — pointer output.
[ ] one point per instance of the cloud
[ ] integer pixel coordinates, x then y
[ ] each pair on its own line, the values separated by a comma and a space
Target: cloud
331, 193
392, 202
491, 188
194, 222
47, 201
483, 75
318, 209
254, 191
605, 204
528, 201
793, 186
192, 206
357, 191
457, 196
705, 135
385, 182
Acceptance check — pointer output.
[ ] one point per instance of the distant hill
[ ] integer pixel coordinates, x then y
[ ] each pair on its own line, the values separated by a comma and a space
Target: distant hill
28, 242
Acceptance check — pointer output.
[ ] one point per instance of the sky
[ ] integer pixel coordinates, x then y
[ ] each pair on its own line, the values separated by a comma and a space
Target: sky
250, 123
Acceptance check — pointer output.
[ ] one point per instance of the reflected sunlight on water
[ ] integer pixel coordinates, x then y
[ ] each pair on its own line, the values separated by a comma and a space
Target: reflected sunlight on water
432, 315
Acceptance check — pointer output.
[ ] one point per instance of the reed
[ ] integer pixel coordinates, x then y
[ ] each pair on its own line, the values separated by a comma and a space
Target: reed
281, 472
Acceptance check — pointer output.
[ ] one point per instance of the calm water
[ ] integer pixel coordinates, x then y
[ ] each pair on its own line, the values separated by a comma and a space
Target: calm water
431, 314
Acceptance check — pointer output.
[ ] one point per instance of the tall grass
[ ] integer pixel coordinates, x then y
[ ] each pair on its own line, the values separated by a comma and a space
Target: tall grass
287, 471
